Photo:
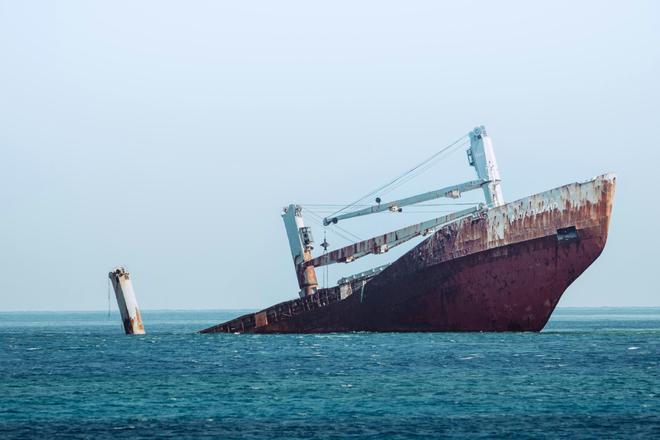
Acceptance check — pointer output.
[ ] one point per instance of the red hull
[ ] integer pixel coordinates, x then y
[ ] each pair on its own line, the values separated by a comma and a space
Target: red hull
502, 272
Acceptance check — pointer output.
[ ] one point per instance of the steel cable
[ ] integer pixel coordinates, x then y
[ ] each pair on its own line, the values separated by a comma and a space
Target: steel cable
395, 180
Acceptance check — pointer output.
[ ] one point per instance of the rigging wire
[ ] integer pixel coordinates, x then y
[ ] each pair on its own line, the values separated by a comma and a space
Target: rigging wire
337, 233
325, 268
345, 237
390, 186
421, 170
398, 178
345, 231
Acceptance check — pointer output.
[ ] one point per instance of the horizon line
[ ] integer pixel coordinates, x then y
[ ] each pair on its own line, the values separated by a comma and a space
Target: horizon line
243, 309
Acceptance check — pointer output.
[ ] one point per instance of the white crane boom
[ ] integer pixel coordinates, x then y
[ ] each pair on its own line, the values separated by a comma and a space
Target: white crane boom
452, 192
480, 155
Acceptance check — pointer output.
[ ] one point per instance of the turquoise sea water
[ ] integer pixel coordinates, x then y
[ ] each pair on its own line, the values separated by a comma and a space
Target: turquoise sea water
592, 373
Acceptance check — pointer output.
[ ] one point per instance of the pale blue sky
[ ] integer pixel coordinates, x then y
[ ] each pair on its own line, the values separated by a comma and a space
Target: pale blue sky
166, 136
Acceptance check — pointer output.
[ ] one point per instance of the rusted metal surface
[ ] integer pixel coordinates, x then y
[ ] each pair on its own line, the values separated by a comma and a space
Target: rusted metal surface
282, 312
504, 270
307, 276
300, 243
261, 319
362, 275
126, 301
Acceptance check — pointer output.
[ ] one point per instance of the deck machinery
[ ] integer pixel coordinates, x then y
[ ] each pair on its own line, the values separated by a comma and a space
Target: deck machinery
481, 156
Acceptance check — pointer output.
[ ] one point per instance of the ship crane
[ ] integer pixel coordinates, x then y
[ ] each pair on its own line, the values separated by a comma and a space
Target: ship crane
481, 156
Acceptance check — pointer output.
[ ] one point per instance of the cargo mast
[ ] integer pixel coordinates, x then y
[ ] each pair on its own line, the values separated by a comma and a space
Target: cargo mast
300, 241
481, 156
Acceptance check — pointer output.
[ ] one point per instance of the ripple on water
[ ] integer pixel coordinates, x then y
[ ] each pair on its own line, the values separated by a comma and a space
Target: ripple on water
591, 376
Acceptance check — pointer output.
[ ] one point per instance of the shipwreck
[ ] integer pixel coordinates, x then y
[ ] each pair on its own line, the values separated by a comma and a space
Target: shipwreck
496, 266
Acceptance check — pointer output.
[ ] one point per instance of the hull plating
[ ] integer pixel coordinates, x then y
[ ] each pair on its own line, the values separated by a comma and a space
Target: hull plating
504, 270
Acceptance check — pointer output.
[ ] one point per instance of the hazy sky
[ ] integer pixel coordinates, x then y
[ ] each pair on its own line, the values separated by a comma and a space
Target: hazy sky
167, 136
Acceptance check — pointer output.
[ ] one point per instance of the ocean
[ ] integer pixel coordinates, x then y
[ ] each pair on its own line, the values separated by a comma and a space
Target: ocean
592, 373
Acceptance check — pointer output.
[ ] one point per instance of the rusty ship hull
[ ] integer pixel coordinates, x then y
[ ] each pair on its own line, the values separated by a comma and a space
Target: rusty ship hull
504, 269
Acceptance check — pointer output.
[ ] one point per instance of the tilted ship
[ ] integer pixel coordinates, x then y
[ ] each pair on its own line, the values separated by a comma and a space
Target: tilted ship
493, 267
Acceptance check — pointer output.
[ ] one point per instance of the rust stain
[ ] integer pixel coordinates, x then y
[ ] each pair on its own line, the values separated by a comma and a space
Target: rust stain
260, 319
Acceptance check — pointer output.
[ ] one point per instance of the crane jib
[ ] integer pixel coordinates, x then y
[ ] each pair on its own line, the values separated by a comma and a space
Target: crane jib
382, 243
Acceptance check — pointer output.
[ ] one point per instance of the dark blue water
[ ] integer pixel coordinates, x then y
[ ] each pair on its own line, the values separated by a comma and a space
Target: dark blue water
592, 373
